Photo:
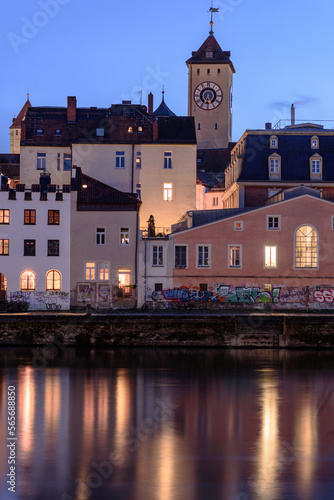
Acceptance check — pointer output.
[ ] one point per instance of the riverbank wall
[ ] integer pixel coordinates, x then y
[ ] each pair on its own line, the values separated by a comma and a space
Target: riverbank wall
253, 330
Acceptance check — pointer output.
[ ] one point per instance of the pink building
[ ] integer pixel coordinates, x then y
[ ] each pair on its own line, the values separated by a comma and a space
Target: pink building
281, 255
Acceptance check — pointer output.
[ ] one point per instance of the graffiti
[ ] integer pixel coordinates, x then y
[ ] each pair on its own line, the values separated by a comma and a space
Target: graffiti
219, 294
85, 293
322, 295
39, 301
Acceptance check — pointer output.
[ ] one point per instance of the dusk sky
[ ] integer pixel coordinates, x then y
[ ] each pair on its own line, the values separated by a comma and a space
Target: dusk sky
103, 51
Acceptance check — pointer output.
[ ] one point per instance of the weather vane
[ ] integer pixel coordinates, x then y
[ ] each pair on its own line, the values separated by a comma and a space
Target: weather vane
212, 10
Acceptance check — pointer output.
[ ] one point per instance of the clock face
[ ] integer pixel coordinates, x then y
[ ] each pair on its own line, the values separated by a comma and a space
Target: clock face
208, 95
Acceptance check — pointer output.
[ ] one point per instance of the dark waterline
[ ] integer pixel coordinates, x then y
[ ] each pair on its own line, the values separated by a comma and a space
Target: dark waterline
169, 424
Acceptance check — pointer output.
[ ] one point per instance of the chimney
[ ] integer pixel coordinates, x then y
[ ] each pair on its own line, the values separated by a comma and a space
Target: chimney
150, 104
293, 115
71, 109
268, 126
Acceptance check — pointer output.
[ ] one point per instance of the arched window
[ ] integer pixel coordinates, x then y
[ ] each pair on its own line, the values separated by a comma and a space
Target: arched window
273, 141
53, 280
306, 247
28, 280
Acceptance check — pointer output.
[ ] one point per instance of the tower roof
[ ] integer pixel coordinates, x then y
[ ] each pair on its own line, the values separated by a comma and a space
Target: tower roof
17, 121
163, 109
217, 54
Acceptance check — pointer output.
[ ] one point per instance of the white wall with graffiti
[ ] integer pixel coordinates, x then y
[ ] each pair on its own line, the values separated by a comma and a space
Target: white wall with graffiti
39, 301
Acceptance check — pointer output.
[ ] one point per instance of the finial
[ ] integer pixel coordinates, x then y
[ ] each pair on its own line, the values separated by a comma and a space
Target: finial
28, 94
212, 10
163, 93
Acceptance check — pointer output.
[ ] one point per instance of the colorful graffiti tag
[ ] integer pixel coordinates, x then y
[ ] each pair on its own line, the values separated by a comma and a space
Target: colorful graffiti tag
322, 295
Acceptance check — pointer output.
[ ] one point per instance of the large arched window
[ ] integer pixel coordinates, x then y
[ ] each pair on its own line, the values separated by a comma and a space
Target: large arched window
28, 280
53, 280
306, 247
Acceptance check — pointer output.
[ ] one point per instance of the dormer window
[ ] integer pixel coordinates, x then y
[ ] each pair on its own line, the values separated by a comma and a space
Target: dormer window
315, 142
58, 131
130, 130
316, 167
274, 165
100, 132
273, 142
39, 131
209, 54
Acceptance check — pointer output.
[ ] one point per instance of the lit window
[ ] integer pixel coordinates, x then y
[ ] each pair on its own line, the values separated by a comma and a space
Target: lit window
138, 159
4, 216
67, 161
124, 281
53, 280
274, 166
130, 130
53, 217
203, 256
168, 192
306, 247
316, 166
314, 142
30, 217
270, 257
100, 236
273, 222
234, 256
90, 271
4, 247
273, 142
104, 271
180, 256
53, 248
157, 256
120, 159
124, 236
41, 161
167, 159
29, 248
140, 129
238, 226
27, 280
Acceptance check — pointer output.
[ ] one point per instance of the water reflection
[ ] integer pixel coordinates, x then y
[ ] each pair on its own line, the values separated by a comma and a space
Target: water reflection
154, 424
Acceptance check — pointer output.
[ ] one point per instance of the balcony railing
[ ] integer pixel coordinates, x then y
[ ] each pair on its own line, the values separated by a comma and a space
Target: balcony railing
156, 232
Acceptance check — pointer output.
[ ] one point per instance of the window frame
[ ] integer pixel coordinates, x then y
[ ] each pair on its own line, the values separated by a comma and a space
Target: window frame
92, 270
314, 139
29, 217
264, 262
158, 259
104, 266
168, 191
124, 240
198, 247
28, 288
138, 160
120, 159
100, 236
52, 220
67, 162
41, 160
234, 266
4, 246
53, 280
4, 216
29, 248
53, 248
316, 158
303, 268
241, 227
273, 142
168, 160
278, 217
273, 175
181, 266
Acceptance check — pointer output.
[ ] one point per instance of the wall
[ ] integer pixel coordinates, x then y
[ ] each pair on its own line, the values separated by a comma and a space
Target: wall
28, 165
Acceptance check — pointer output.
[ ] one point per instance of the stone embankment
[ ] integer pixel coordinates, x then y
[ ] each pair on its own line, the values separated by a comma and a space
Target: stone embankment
254, 330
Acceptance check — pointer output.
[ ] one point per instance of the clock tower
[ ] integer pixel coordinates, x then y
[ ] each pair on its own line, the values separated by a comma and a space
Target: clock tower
210, 87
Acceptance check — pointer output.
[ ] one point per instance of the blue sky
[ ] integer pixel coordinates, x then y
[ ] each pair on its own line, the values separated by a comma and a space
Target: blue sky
103, 51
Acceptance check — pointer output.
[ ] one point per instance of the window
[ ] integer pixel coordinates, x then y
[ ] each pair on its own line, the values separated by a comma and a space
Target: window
316, 166
274, 166
29, 248
140, 129
138, 191
234, 256
238, 225
203, 256
203, 287
53, 280
216, 126
53, 248
120, 159
314, 142
198, 126
39, 131
168, 160
125, 236
58, 131
198, 71
272, 192
218, 71
168, 192
208, 72
306, 247
100, 132
180, 256
158, 259
27, 280
273, 222
209, 54
104, 271
138, 159
215, 201
270, 257
41, 161
4, 247
53, 217
58, 161
67, 161
124, 281
130, 130
158, 287
30, 217
90, 271
273, 142
100, 236
4, 216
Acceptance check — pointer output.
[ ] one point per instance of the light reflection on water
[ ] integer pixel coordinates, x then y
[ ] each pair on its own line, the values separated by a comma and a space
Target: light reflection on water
164, 424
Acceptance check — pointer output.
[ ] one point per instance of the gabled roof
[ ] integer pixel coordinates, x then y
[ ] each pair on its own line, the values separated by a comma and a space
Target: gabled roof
219, 55
97, 196
17, 121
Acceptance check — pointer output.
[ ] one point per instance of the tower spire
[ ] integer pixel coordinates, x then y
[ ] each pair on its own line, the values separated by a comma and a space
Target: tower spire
212, 10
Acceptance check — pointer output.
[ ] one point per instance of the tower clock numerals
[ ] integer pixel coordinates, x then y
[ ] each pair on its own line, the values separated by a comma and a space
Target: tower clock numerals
208, 95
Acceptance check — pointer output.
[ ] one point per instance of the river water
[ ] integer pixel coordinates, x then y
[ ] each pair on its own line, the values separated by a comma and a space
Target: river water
168, 424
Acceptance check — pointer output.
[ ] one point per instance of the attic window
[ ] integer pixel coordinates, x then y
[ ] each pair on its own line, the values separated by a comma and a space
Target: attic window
100, 132
209, 54
314, 142
273, 142
58, 131
39, 131
130, 130
140, 129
